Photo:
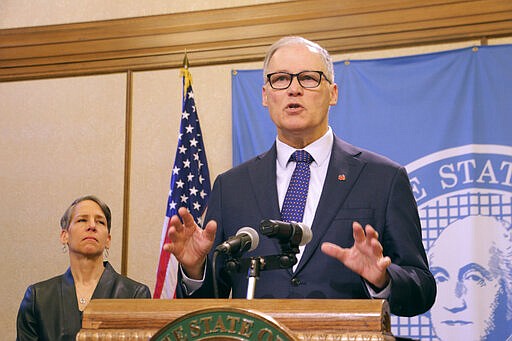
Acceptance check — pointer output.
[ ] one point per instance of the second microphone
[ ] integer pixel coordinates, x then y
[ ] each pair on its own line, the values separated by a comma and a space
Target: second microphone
245, 240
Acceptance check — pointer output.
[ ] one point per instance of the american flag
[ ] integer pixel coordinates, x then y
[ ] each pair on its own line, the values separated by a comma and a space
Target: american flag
190, 185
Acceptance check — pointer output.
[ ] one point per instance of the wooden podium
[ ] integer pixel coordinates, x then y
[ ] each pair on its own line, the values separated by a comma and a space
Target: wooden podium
236, 319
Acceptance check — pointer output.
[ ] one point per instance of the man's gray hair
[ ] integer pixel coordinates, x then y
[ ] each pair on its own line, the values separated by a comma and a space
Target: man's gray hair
295, 40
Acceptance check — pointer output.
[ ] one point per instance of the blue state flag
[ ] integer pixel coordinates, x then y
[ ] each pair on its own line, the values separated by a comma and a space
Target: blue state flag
447, 117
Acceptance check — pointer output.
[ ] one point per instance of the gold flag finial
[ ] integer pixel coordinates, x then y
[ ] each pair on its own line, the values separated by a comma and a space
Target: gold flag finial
185, 60
187, 77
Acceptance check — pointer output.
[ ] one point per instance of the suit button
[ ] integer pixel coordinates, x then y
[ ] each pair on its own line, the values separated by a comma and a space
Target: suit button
295, 282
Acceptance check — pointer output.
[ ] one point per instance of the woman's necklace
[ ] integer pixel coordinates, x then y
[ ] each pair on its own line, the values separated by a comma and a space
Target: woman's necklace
84, 294
84, 298
85, 290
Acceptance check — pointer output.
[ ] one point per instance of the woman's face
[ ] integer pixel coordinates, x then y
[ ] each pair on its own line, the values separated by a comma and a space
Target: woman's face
87, 233
466, 287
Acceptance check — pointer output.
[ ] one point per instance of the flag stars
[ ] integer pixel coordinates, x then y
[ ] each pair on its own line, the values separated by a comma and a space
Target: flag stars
172, 205
197, 206
182, 149
193, 191
189, 129
184, 198
179, 184
193, 142
201, 179
176, 170
190, 177
203, 194
196, 156
185, 115
186, 163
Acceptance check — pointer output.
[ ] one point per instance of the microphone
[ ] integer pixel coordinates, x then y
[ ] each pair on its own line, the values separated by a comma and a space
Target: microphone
245, 240
297, 234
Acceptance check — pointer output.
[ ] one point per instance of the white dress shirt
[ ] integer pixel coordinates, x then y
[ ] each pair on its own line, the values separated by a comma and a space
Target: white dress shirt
320, 150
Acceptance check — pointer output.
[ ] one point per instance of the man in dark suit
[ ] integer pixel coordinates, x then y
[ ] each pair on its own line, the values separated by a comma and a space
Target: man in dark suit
366, 231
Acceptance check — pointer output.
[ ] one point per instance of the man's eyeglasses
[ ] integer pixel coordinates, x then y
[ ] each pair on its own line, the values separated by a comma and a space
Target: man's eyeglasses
307, 79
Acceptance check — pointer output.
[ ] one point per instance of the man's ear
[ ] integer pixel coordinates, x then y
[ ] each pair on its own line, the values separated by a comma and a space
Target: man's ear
264, 98
333, 94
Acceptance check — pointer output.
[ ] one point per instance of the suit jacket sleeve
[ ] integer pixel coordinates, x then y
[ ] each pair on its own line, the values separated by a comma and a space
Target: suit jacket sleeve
207, 289
413, 288
26, 324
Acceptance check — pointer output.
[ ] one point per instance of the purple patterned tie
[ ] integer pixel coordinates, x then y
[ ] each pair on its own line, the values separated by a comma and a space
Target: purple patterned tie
297, 193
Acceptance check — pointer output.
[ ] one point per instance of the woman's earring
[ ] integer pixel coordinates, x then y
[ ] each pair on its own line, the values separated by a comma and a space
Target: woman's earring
105, 253
64, 248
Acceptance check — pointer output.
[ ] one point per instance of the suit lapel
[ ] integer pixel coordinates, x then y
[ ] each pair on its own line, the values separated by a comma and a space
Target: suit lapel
105, 286
262, 174
342, 173
69, 304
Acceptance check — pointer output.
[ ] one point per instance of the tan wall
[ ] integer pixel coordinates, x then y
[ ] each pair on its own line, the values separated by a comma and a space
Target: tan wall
62, 138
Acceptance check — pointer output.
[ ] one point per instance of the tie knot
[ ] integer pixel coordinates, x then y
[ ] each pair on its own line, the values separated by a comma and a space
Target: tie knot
301, 156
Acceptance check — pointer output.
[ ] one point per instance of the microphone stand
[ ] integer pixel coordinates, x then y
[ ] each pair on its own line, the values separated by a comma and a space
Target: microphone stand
253, 265
253, 274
